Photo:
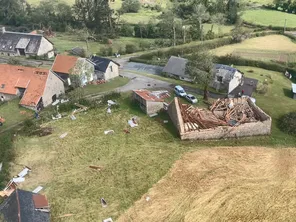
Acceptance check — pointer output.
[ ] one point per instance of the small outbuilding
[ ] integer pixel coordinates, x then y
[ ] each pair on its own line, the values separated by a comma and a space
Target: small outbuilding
294, 90
150, 101
105, 68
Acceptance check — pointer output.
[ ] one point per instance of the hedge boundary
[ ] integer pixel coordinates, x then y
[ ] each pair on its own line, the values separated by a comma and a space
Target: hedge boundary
193, 47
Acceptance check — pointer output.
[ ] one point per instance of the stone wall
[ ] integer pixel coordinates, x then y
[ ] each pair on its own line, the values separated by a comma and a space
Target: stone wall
112, 71
262, 127
54, 86
175, 115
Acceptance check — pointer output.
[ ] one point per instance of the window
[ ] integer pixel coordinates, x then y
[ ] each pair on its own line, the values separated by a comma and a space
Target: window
111, 68
219, 78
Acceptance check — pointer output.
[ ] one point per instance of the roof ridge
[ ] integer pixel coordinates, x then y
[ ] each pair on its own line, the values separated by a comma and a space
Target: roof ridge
23, 33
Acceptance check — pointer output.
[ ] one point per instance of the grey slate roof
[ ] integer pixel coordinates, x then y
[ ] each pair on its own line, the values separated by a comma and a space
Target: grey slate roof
176, 66
21, 202
101, 64
10, 41
226, 71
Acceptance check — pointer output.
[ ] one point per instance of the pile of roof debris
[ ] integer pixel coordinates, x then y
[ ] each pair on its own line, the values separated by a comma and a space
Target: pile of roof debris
223, 112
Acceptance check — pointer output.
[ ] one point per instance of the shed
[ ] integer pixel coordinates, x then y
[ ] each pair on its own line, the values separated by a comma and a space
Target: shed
150, 101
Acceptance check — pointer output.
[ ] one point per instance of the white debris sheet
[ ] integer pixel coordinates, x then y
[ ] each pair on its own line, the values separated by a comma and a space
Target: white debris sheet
132, 124
63, 135
24, 172
38, 189
18, 179
108, 132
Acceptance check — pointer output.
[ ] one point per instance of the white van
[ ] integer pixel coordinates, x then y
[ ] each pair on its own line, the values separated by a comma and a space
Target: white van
180, 91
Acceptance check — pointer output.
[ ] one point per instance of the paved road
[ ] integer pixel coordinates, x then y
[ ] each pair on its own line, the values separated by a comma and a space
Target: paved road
139, 81
145, 68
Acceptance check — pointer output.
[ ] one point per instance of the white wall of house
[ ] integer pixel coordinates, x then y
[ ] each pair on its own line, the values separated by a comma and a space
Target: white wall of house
45, 47
235, 81
8, 97
54, 86
112, 71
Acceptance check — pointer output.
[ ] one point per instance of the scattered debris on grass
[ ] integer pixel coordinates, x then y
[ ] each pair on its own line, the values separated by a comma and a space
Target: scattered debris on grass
108, 220
165, 121
111, 102
63, 135
37, 189
18, 179
147, 198
24, 172
108, 132
1, 164
103, 202
99, 168
108, 110
65, 215
126, 131
133, 122
153, 115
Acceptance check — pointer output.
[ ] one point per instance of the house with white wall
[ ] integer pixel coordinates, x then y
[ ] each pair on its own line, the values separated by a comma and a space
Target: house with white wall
105, 68
25, 44
36, 87
65, 66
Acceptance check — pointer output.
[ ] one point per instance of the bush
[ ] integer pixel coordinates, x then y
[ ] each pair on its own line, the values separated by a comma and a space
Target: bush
76, 94
6, 156
131, 6
126, 30
262, 88
30, 126
287, 123
130, 48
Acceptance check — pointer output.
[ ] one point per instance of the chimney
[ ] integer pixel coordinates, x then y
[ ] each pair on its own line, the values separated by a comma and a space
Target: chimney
3, 30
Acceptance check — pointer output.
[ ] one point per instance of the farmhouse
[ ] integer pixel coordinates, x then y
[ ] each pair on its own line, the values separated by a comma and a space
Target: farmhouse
25, 206
105, 68
36, 87
150, 101
234, 117
25, 44
226, 77
65, 66
294, 90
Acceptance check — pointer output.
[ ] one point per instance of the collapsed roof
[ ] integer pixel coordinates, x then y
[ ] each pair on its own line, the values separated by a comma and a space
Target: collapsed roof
231, 117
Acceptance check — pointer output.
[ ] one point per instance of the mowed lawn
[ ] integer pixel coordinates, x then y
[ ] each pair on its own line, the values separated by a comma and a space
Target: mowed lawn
269, 17
271, 47
277, 101
13, 113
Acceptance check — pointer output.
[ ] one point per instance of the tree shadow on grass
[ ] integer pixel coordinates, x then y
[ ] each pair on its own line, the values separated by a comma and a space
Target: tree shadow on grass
288, 93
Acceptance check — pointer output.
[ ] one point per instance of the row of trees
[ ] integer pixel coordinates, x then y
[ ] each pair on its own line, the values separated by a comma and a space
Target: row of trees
285, 5
95, 15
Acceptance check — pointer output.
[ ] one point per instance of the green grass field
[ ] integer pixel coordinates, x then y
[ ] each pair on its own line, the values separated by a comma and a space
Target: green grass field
269, 17
64, 42
271, 47
130, 163
13, 113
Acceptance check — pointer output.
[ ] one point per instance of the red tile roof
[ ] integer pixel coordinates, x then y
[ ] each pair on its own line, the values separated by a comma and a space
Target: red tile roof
146, 95
32, 79
40, 201
64, 63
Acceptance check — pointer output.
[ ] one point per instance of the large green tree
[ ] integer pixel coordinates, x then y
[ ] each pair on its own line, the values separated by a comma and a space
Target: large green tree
12, 12
200, 15
200, 67
96, 15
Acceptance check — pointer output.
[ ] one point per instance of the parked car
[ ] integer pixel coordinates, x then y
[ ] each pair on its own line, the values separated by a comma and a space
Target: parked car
191, 98
180, 91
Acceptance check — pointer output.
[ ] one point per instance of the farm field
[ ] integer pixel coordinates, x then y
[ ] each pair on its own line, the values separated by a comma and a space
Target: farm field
269, 17
223, 184
271, 47
131, 163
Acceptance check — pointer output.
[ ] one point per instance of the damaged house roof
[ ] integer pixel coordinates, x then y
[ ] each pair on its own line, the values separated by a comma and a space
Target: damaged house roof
154, 96
32, 80
10, 41
25, 206
101, 64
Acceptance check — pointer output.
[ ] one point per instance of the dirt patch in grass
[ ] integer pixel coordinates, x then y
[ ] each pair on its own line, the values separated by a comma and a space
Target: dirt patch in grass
223, 184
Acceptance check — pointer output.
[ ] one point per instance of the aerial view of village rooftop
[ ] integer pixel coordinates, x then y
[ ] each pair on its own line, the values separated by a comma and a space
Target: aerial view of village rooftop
147, 110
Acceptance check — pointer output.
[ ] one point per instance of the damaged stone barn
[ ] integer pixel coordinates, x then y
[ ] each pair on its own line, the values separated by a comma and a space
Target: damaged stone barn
226, 118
